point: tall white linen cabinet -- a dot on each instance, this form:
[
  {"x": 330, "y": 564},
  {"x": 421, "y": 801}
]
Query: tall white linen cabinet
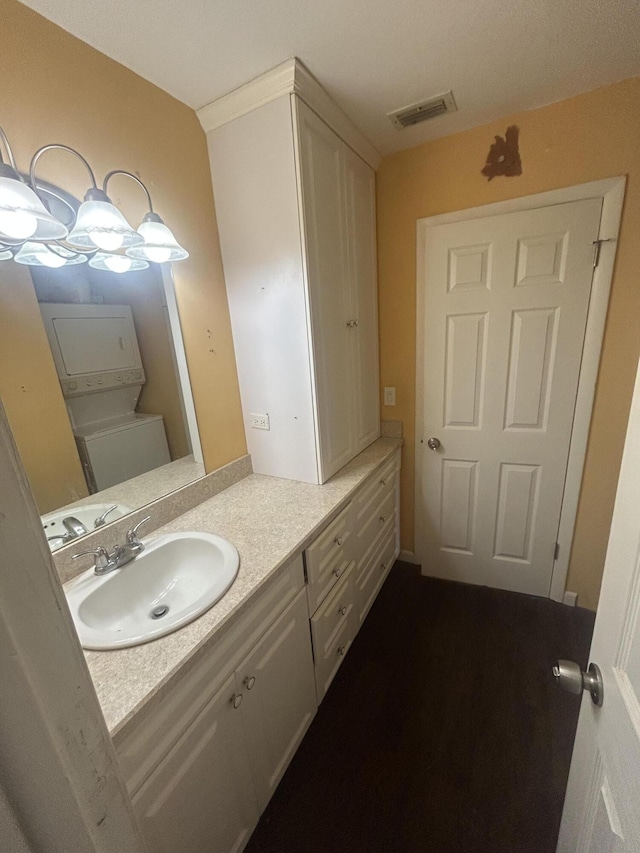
[{"x": 294, "y": 188}]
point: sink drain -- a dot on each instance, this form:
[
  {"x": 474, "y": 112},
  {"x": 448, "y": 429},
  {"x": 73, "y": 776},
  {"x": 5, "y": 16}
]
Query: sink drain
[{"x": 159, "y": 611}]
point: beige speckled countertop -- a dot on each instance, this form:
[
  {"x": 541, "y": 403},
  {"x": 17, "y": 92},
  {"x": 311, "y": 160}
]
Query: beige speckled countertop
[{"x": 269, "y": 520}]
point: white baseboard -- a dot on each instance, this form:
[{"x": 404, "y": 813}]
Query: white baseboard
[
  {"x": 408, "y": 557},
  {"x": 570, "y": 598}
]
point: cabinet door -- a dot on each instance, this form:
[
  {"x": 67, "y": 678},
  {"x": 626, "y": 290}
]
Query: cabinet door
[
  {"x": 359, "y": 182},
  {"x": 277, "y": 681},
  {"x": 201, "y": 797},
  {"x": 321, "y": 155}
]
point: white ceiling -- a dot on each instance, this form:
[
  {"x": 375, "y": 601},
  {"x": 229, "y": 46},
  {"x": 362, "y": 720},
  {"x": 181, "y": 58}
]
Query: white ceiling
[{"x": 372, "y": 56}]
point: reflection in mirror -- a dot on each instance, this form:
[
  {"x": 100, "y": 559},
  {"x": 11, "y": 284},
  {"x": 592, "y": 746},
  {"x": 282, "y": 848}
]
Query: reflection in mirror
[{"x": 90, "y": 381}]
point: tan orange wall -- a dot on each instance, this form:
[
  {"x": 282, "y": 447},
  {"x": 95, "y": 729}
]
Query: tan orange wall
[
  {"x": 55, "y": 88},
  {"x": 32, "y": 397},
  {"x": 586, "y": 138}
]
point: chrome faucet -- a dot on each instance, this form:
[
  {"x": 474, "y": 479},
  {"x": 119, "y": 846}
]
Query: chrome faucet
[{"x": 104, "y": 562}]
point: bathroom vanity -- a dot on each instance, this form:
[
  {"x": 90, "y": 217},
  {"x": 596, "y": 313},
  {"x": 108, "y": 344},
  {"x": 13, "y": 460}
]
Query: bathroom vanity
[{"x": 206, "y": 720}]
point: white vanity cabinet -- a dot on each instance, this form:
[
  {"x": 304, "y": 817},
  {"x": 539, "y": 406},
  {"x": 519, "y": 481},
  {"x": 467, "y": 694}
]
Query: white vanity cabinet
[
  {"x": 201, "y": 797},
  {"x": 347, "y": 563},
  {"x": 294, "y": 189},
  {"x": 203, "y": 765}
]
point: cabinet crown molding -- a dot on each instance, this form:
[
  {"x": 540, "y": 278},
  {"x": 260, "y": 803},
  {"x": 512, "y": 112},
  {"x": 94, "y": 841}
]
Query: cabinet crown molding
[{"x": 291, "y": 77}]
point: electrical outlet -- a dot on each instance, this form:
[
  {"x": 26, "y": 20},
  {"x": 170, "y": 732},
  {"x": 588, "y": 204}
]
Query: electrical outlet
[
  {"x": 259, "y": 421},
  {"x": 390, "y": 396}
]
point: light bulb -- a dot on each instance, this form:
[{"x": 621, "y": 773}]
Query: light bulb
[
  {"x": 118, "y": 263},
  {"x": 156, "y": 254},
  {"x": 110, "y": 242},
  {"x": 18, "y": 224},
  {"x": 50, "y": 259}
]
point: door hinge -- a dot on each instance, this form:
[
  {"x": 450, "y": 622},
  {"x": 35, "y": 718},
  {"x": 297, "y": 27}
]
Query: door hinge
[
  {"x": 556, "y": 551},
  {"x": 597, "y": 246}
]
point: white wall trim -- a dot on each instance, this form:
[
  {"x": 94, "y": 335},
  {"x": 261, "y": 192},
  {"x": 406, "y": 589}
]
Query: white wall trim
[
  {"x": 290, "y": 77},
  {"x": 408, "y": 557},
  {"x": 611, "y": 190},
  {"x": 181, "y": 363}
]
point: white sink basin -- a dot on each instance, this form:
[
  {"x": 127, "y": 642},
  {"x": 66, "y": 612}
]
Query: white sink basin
[{"x": 183, "y": 572}]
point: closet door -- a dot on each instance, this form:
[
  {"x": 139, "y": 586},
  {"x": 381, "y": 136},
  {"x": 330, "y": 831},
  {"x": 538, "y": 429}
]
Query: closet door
[
  {"x": 359, "y": 182},
  {"x": 321, "y": 162}
]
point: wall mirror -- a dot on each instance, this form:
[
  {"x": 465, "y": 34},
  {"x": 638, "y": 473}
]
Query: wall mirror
[{"x": 94, "y": 381}]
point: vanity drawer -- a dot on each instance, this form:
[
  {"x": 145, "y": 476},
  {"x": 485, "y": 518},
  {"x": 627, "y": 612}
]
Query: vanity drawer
[
  {"x": 328, "y": 556},
  {"x": 379, "y": 483},
  {"x": 374, "y": 570},
  {"x": 328, "y": 665},
  {"x": 380, "y": 515},
  {"x": 336, "y": 609}
]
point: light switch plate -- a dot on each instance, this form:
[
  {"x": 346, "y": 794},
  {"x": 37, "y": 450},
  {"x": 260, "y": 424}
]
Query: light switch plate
[{"x": 390, "y": 396}]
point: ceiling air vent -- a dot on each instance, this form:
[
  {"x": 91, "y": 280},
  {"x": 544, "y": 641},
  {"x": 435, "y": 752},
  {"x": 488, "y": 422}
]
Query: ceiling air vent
[{"x": 437, "y": 106}]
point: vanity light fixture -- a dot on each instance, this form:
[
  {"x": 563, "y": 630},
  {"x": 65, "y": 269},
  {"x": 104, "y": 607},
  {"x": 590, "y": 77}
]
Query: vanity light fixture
[
  {"x": 159, "y": 244},
  {"x": 31, "y": 235},
  {"x": 44, "y": 255},
  {"x": 22, "y": 215}
]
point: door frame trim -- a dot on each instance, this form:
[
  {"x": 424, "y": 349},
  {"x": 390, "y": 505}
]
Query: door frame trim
[{"x": 611, "y": 191}]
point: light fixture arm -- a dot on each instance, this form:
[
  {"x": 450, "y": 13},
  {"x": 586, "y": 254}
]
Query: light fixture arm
[
  {"x": 154, "y": 216},
  {"x": 94, "y": 192},
  {"x": 7, "y": 148}
]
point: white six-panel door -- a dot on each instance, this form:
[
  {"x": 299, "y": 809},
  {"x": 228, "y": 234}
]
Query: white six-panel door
[
  {"x": 602, "y": 807},
  {"x": 505, "y": 308}
]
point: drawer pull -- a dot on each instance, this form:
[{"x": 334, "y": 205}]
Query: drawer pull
[
  {"x": 236, "y": 700},
  {"x": 383, "y": 518},
  {"x": 342, "y": 650},
  {"x": 343, "y": 611},
  {"x": 337, "y": 572},
  {"x": 339, "y": 540},
  {"x": 249, "y": 681},
  {"x": 383, "y": 566},
  {"x": 383, "y": 482}
]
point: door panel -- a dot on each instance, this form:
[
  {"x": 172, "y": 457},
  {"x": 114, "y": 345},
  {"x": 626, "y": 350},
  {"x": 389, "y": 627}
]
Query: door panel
[
  {"x": 361, "y": 247},
  {"x": 277, "y": 680},
  {"x": 601, "y": 807},
  {"x": 201, "y": 796},
  {"x": 506, "y": 301},
  {"x": 322, "y": 179}
]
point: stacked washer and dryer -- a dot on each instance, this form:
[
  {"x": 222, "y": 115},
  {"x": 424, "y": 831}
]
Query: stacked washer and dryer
[{"x": 96, "y": 353}]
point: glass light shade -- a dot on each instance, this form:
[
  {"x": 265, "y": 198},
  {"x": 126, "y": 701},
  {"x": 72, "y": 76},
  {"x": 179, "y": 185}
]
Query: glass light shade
[
  {"x": 159, "y": 244},
  {"x": 38, "y": 255},
  {"x": 5, "y": 255},
  {"x": 23, "y": 215},
  {"x": 116, "y": 263},
  {"x": 100, "y": 224}
]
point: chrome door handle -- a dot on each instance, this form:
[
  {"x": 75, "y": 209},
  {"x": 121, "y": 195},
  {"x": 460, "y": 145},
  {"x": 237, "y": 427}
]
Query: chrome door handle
[
  {"x": 571, "y": 678},
  {"x": 433, "y": 443}
]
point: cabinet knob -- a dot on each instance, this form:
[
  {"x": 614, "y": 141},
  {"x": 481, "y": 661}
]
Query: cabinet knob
[
  {"x": 339, "y": 540},
  {"x": 342, "y": 650},
  {"x": 236, "y": 700},
  {"x": 337, "y": 572},
  {"x": 383, "y": 482},
  {"x": 249, "y": 681},
  {"x": 383, "y": 518},
  {"x": 343, "y": 610},
  {"x": 383, "y": 566},
  {"x": 356, "y": 323}
]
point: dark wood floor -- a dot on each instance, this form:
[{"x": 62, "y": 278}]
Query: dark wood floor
[{"x": 443, "y": 730}]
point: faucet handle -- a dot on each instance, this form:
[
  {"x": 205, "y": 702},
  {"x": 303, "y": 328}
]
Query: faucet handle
[
  {"x": 102, "y": 559},
  {"x": 132, "y": 535},
  {"x": 100, "y": 521}
]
